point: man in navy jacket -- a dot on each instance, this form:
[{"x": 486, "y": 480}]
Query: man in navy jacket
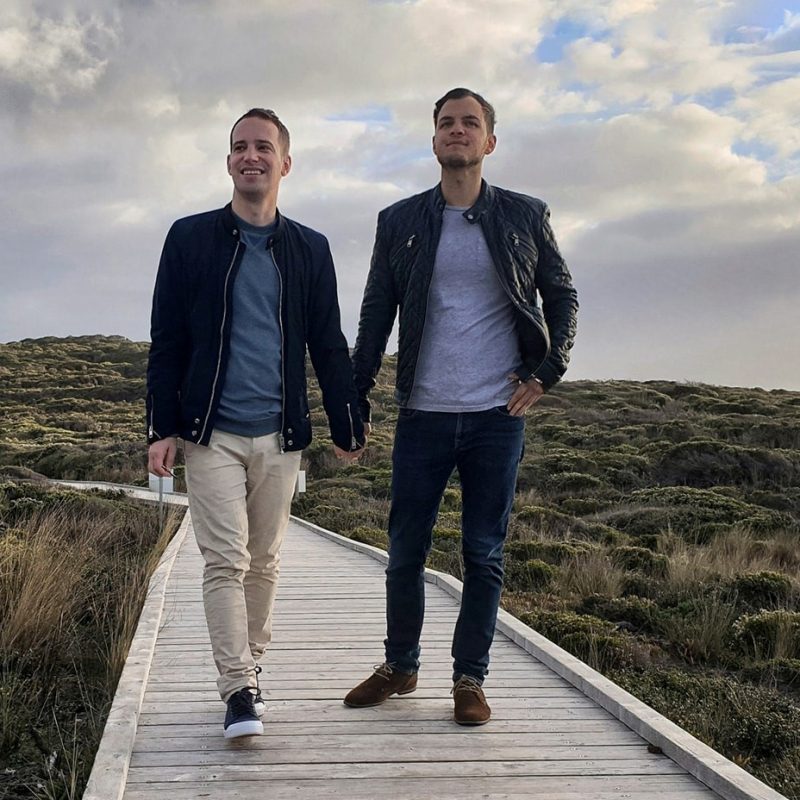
[{"x": 241, "y": 293}]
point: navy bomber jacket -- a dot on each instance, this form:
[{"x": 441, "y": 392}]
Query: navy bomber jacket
[
  {"x": 528, "y": 263},
  {"x": 191, "y": 326}
]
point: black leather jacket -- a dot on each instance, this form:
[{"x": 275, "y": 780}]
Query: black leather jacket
[
  {"x": 191, "y": 327},
  {"x": 524, "y": 251}
]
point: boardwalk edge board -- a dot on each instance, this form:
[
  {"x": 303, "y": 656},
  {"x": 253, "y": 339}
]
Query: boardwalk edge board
[
  {"x": 707, "y": 765},
  {"x": 109, "y": 773}
]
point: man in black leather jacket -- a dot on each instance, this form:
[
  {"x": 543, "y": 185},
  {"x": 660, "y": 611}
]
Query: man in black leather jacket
[
  {"x": 487, "y": 319},
  {"x": 240, "y": 293}
]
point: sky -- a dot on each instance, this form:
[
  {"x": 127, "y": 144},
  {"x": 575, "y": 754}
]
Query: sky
[{"x": 663, "y": 134}]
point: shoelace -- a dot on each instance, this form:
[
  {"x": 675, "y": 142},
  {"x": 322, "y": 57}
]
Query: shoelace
[
  {"x": 257, "y": 670},
  {"x": 240, "y": 703},
  {"x": 467, "y": 683},
  {"x": 384, "y": 670}
]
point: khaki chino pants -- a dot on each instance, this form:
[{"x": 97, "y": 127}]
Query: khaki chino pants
[{"x": 240, "y": 494}]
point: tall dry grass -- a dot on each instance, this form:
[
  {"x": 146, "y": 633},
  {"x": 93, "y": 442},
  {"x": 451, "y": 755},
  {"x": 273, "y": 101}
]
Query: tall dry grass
[{"x": 73, "y": 578}]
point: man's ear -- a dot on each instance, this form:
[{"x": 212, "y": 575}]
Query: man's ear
[
  {"x": 228, "y": 163},
  {"x": 286, "y": 167},
  {"x": 491, "y": 143}
]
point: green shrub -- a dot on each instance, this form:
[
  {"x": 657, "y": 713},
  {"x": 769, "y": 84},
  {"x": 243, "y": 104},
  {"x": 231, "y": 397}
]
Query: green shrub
[
  {"x": 773, "y": 671},
  {"x": 593, "y": 640},
  {"x": 759, "y": 590},
  {"x": 638, "y": 585},
  {"x": 640, "y": 559},
  {"x": 367, "y": 535},
  {"x": 581, "y": 506},
  {"x": 563, "y": 482},
  {"x": 447, "y": 539},
  {"x": 551, "y": 552},
  {"x": 742, "y": 722},
  {"x": 707, "y": 462},
  {"x": 640, "y": 612},
  {"x": 769, "y": 634},
  {"x": 529, "y": 576}
]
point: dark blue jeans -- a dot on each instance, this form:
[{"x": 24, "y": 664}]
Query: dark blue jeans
[{"x": 485, "y": 447}]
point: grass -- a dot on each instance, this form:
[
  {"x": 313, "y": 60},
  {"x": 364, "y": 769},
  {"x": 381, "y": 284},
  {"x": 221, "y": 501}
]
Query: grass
[
  {"x": 656, "y": 530},
  {"x": 74, "y": 572}
]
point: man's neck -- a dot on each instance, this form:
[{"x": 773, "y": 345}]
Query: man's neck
[
  {"x": 259, "y": 212},
  {"x": 461, "y": 187}
]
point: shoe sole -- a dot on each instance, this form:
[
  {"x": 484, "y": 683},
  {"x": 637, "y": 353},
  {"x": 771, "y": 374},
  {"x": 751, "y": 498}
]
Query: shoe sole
[
  {"x": 247, "y": 728},
  {"x": 470, "y": 723},
  {"x": 380, "y": 702}
]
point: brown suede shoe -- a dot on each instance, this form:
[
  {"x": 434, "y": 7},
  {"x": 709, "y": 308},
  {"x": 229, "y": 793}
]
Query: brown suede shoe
[
  {"x": 471, "y": 707},
  {"x": 381, "y": 685}
]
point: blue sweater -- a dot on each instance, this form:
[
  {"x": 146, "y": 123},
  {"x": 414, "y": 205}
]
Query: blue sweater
[{"x": 250, "y": 404}]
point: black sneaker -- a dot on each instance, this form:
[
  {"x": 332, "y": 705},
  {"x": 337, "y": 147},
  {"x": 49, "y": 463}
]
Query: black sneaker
[{"x": 241, "y": 718}]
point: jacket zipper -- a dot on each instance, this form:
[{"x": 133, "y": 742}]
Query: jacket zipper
[
  {"x": 425, "y": 316},
  {"x": 353, "y": 443},
  {"x": 221, "y": 341},
  {"x": 152, "y": 430},
  {"x": 281, "y": 440}
]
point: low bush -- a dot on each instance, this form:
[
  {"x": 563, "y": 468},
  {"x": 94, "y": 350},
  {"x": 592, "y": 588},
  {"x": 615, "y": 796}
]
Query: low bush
[
  {"x": 529, "y": 576},
  {"x": 593, "y": 640},
  {"x": 756, "y": 727},
  {"x": 760, "y": 590},
  {"x": 769, "y": 635},
  {"x": 640, "y": 559},
  {"x": 640, "y": 613}
]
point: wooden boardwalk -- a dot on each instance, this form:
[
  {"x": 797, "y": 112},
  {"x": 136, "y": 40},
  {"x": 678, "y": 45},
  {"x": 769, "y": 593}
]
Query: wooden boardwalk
[{"x": 546, "y": 739}]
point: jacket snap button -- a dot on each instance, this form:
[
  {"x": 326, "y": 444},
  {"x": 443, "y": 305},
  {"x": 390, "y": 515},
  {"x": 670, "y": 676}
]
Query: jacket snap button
[
  {"x": 197, "y": 422},
  {"x": 290, "y": 442},
  {"x": 289, "y": 430},
  {"x": 194, "y": 433}
]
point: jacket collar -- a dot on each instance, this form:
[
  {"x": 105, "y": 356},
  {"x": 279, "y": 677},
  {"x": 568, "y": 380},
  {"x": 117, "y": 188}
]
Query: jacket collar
[
  {"x": 232, "y": 226},
  {"x": 481, "y": 206}
]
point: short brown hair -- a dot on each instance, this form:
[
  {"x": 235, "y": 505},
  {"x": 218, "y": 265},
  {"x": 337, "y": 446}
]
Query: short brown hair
[
  {"x": 458, "y": 94},
  {"x": 270, "y": 116}
]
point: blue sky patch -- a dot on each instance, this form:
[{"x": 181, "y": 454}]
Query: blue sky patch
[
  {"x": 551, "y": 48},
  {"x": 366, "y": 114}
]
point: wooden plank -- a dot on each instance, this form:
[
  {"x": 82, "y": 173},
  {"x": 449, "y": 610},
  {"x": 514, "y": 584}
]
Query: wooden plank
[
  {"x": 455, "y": 737},
  {"x": 357, "y": 727},
  {"x": 256, "y": 751},
  {"x": 654, "y": 765},
  {"x": 281, "y": 712},
  {"x": 431, "y": 788}
]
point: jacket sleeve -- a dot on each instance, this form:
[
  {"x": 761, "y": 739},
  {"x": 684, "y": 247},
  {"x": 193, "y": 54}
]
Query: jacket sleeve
[
  {"x": 378, "y": 312},
  {"x": 169, "y": 346},
  {"x": 559, "y": 303},
  {"x": 330, "y": 358}
]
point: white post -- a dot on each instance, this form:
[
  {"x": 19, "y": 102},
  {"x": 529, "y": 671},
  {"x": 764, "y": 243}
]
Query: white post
[{"x": 300, "y": 483}]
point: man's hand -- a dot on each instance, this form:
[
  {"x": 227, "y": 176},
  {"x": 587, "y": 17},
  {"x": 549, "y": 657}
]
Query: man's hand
[
  {"x": 525, "y": 395},
  {"x": 348, "y": 456},
  {"x": 161, "y": 456}
]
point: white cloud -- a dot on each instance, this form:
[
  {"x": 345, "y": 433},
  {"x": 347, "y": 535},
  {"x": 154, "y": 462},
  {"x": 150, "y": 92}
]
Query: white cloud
[
  {"x": 53, "y": 57},
  {"x": 665, "y": 142}
]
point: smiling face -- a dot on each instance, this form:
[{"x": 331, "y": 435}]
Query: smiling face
[
  {"x": 461, "y": 139},
  {"x": 257, "y": 161}
]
